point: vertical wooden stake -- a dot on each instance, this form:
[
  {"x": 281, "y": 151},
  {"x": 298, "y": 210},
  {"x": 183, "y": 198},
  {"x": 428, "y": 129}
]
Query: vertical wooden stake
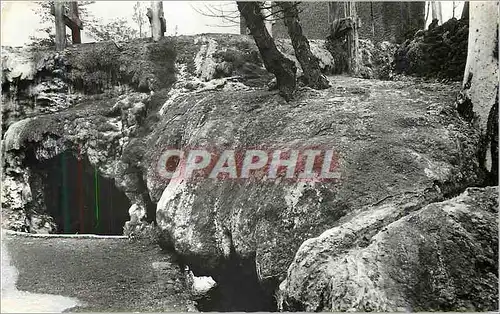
[{"x": 60, "y": 25}]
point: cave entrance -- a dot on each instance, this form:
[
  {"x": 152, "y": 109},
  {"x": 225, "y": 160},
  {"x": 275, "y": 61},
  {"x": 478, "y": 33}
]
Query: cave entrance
[
  {"x": 78, "y": 198},
  {"x": 239, "y": 289}
]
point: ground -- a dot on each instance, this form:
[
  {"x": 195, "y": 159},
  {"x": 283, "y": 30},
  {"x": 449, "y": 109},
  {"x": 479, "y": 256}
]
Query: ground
[{"x": 102, "y": 274}]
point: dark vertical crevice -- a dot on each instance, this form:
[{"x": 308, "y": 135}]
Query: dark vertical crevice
[{"x": 492, "y": 142}]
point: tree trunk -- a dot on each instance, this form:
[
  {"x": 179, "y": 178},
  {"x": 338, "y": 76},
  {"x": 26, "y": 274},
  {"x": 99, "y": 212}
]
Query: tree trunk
[
  {"x": 427, "y": 12},
  {"x": 352, "y": 40},
  {"x": 440, "y": 11},
  {"x": 480, "y": 85},
  {"x": 156, "y": 15},
  {"x": 465, "y": 10},
  {"x": 60, "y": 26},
  {"x": 436, "y": 11},
  {"x": 308, "y": 62},
  {"x": 283, "y": 68},
  {"x": 335, "y": 11}
]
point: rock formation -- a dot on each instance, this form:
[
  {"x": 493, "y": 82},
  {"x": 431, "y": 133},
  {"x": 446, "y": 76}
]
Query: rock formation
[
  {"x": 401, "y": 146},
  {"x": 443, "y": 257}
]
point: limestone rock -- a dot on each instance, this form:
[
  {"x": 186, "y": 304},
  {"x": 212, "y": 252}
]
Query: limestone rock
[
  {"x": 42, "y": 224},
  {"x": 318, "y": 49},
  {"x": 17, "y": 64},
  {"x": 401, "y": 146},
  {"x": 442, "y": 257},
  {"x": 200, "y": 286},
  {"x": 387, "y": 134}
]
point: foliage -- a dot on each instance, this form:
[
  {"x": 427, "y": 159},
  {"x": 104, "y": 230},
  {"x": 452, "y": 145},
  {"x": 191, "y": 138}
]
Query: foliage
[
  {"x": 97, "y": 69},
  {"x": 117, "y": 30},
  {"x": 43, "y": 10},
  {"x": 139, "y": 16},
  {"x": 438, "y": 52}
]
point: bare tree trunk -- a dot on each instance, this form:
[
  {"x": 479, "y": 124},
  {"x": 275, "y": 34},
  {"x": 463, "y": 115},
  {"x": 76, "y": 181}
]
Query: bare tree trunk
[
  {"x": 465, "y": 10},
  {"x": 334, "y": 11},
  {"x": 308, "y": 62},
  {"x": 427, "y": 12},
  {"x": 479, "y": 97},
  {"x": 340, "y": 27},
  {"x": 352, "y": 40},
  {"x": 434, "y": 11},
  {"x": 156, "y": 15},
  {"x": 439, "y": 7},
  {"x": 283, "y": 68},
  {"x": 77, "y": 23},
  {"x": 60, "y": 26},
  {"x": 372, "y": 19}
]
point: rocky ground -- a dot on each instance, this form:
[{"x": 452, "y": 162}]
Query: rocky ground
[{"x": 403, "y": 150}]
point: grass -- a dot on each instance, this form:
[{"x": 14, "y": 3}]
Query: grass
[{"x": 105, "y": 274}]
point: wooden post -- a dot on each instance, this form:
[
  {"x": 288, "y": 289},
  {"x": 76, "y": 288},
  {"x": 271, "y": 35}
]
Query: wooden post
[
  {"x": 352, "y": 40},
  {"x": 60, "y": 26},
  {"x": 75, "y": 19},
  {"x": 156, "y": 19},
  {"x": 65, "y": 18}
]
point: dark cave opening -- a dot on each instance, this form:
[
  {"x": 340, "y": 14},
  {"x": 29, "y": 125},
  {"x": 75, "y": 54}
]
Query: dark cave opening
[
  {"x": 239, "y": 290},
  {"x": 78, "y": 197}
]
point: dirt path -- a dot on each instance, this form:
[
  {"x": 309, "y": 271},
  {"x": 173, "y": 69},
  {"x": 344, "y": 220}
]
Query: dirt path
[
  {"x": 89, "y": 275},
  {"x": 15, "y": 301}
]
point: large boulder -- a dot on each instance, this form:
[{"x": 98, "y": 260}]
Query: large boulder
[
  {"x": 443, "y": 257},
  {"x": 397, "y": 141}
]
